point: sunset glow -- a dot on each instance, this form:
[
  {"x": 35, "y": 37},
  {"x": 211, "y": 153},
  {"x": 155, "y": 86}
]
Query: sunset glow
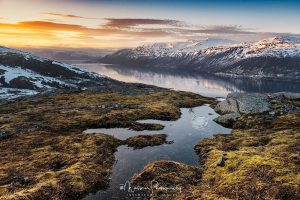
[{"x": 117, "y": 24}]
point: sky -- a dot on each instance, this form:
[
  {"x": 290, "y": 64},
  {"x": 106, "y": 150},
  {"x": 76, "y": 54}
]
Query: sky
[{"x": 130, "y": 23}]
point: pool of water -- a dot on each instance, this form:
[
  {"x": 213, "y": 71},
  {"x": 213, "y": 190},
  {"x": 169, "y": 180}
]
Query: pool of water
[{"x": 194, "y": 124}]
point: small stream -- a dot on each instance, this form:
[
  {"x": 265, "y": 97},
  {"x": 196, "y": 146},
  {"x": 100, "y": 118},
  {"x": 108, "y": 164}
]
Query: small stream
[{"x": 195, "y": 124}]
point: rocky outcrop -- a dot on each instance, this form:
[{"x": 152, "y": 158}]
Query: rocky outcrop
[
  {"x": 237, "y": 104},
  {"x": 244, "y": 103}
]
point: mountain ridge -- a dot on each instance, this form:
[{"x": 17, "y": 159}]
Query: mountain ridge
[
  {"x": 277, "y": 57},
  {"x": 24, "y": 74}
]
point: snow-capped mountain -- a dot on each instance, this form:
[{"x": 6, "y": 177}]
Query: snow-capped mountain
[
  {"x": 277, "y": 57},
  {"x": 22, "y": 73}
]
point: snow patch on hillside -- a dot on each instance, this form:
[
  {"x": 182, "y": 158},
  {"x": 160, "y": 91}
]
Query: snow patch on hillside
[
  {"x": 11, "y": 73},
  {"x": 12, "y": 93}
]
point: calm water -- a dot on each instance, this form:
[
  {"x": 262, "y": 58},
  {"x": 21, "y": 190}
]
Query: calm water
[
  {"x": 194, "y": 125},
  {"x": 203, "y": 84}
]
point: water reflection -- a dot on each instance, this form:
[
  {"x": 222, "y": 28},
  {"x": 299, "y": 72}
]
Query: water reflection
[
  {"x": 205, "y": 84},
  {"x": 194, "y": 125}
]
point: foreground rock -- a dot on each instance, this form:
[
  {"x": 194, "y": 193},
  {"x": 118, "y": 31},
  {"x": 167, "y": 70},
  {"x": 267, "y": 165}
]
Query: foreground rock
[
  {"x": 227, "y": 120},
  {"x": 244, "y": 103},
  {"x": 237, "y": 104}
]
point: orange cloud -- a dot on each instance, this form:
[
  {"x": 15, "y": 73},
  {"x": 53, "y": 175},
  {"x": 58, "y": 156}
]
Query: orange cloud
[
  {"x": 53, "y": 33},
  {"x": 130, "y": 22},
  {"x": 46, "y": 26},
  {"x": 114, "y": 33}
]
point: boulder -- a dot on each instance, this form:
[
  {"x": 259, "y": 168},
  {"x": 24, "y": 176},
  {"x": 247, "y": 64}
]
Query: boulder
[
  {"x": 227, "y": 106},
  {"x": 227, "y": 120},
  {"x": 244, "y": 103}
]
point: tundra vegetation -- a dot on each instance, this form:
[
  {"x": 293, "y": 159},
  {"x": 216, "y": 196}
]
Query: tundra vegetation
[
  {"x": 45, "y": 155},
  {"x": 260, "y": 159}
]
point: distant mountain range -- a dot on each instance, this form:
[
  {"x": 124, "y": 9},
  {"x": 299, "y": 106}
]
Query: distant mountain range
[
  {"x": 69, "y": 54},
  {"x": 23, "y": 74},
  {"x": 277, "y": 57}
]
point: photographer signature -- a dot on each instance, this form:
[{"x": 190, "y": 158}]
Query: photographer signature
[{"x": 154, "y": 187}]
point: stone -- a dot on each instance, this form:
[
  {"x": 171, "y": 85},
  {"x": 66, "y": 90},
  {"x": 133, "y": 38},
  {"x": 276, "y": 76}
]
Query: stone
[
  {"x": 227, "y": 106},
  {"x": 227, "y": 120},
  {"x": 221, "y": 162},
  {"x": 244, "y": 103}
]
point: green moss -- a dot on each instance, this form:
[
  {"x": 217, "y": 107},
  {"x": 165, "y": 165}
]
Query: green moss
[{"x": 262, "y": 161}]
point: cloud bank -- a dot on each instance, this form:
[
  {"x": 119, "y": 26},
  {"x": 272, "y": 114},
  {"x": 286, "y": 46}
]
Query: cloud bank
[{"x": 115, "y": 31}]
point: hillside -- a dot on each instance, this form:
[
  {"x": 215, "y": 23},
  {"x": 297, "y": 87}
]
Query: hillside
[
  {"x": 23, "y": 74},
  {"x": 277, "y": 57}
]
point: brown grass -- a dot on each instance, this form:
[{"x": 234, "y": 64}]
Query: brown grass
[
  {"x": 48, "y": 157},
  {"x": 141, "y": 141}
]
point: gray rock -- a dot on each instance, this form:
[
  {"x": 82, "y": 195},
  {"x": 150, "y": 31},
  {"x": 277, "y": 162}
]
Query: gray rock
[
  {"x": 221, "y": 162},
  {"x": 290, "y": 95},
  {"x": 227, "y": 106},
  {"x": 287, "y": 95},
  {"x": 246, "y": 103},
  {"x": 227, "y": 120}
]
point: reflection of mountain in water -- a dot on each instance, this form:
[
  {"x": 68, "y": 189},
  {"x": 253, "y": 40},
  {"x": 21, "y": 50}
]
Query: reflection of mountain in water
[{"x": 206, "y": 84}]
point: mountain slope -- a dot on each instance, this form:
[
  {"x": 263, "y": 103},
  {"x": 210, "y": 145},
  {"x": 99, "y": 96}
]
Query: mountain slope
[
  {"x": 277, "y": 57},
  {"x": 23, "y": 74}
]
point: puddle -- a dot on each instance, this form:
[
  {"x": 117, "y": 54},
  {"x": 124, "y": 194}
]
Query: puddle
[{"x": 195, "y": 124}]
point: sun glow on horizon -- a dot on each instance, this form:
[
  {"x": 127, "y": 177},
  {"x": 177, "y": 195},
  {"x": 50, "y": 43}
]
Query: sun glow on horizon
[{"x": 98, "y": 24}]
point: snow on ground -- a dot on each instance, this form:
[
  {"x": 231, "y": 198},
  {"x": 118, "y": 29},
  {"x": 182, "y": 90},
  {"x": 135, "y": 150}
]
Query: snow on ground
[
  {"x": 12, "y": 93},
  {"x": 76, "y": 69},
  {"x": 14, "y": 72}
]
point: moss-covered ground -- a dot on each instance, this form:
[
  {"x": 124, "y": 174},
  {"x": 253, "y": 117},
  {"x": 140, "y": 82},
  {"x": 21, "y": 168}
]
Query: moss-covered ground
[
  {"x": 141, "y": 141},
  {"x": 260, "y": 161},
  {"x": 45, "y": 155}
]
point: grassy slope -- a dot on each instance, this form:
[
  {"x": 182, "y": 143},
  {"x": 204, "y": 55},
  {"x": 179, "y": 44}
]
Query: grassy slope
[{"x": 47, "y": 156}]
